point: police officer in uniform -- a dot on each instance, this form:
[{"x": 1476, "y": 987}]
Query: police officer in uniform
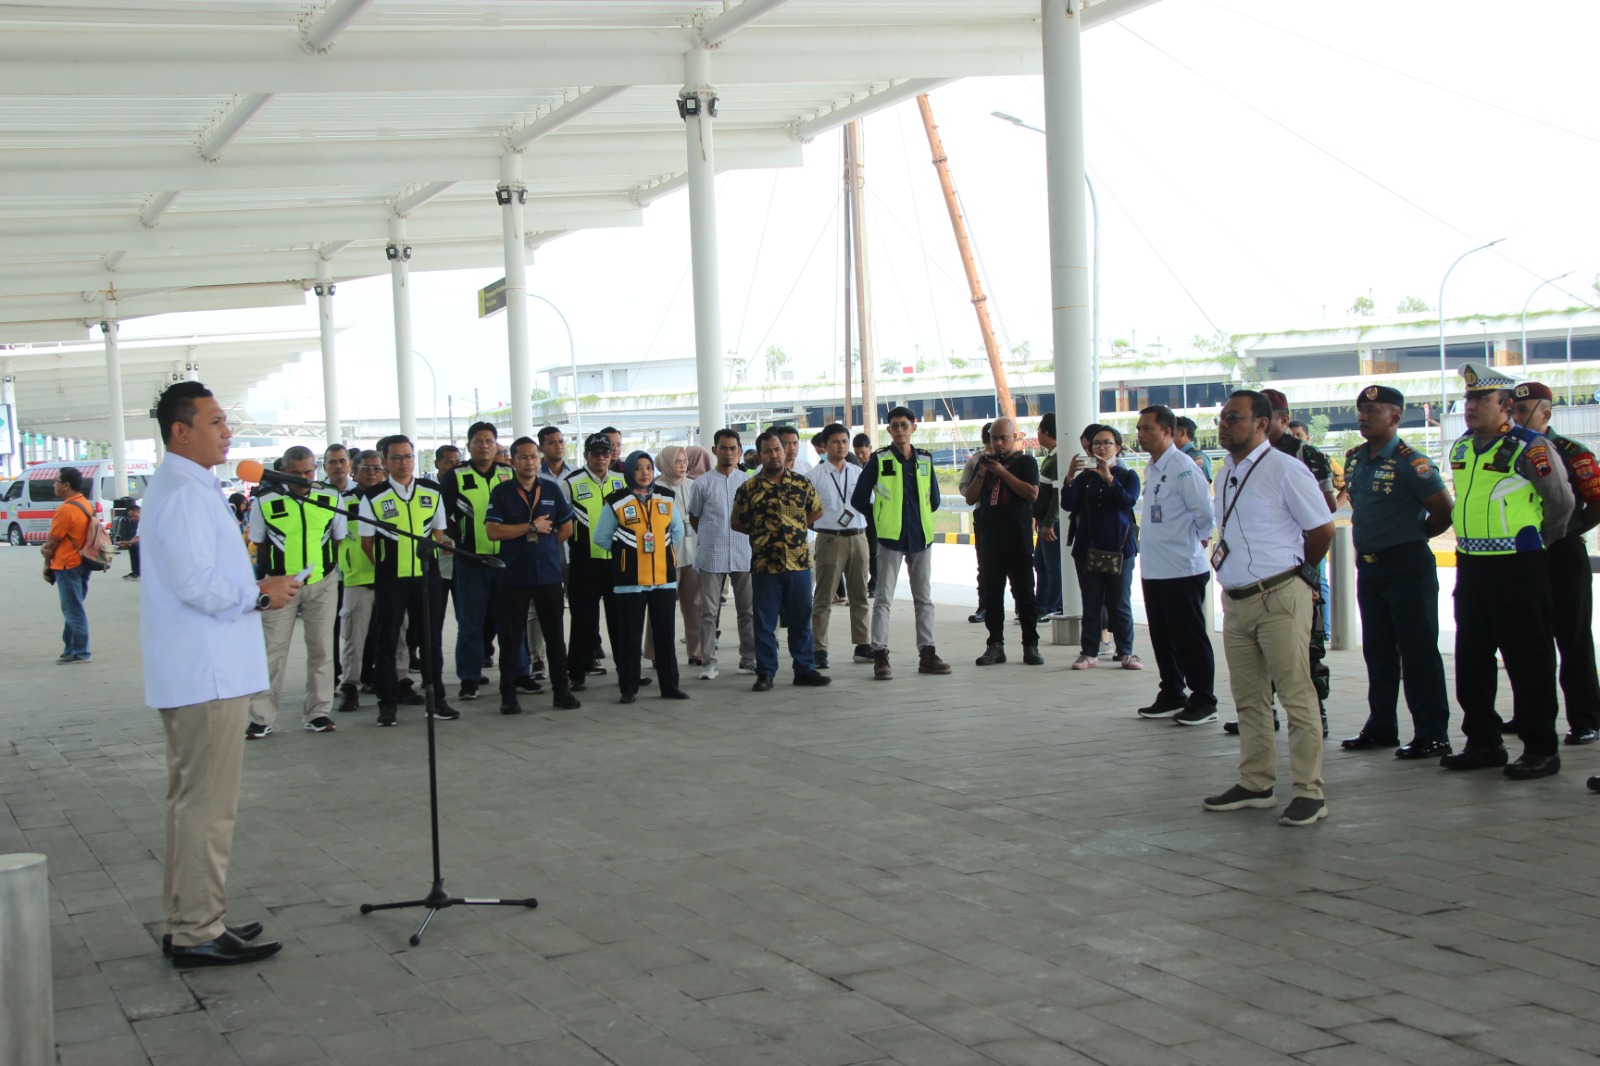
[
  {"x": 1397, "y": 502},
  {"x": 590, "y": 568},
  {"x": 296, "y": 531},
  {"x": 1571, "y": 580},
  {"x": 355, "y": 614},
  {"x": 1512, "y": 498},
  {"x": 416, "y": 506}
]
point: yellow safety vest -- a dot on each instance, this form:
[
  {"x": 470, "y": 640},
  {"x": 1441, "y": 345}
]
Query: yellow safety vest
[
  {"x": 888, "y": 508},
  {"x": 396, "y": 557},
  {"x": 354, "y": 565},
  {"x": 299, "y": 533},
  {"x": 640, "y": 549},
  {"x": 469, "y": 492},
  {"x": 588, "y": 496},
  {"x": 1497, "y": 511}
]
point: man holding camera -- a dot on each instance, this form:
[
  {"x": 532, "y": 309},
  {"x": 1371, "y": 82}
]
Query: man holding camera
[{"x": 1003, "y": 492}]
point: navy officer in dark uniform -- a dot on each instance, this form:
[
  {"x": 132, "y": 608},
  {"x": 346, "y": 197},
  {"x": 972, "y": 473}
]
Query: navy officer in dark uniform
[{"x": 1397, "y": 502}]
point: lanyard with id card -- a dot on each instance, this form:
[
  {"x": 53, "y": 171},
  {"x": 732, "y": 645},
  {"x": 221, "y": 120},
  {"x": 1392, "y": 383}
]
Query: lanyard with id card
[{"x": 1219, "y": 554}]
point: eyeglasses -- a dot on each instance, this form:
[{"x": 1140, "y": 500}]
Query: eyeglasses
[
  {"x": 899, "y": 423},
  {"x": 365, "y": 469},
  {"x": 1105, "y": 444},
  {"x": 1231, "y": 417}
]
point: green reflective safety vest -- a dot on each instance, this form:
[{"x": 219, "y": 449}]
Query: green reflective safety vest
[
  {"x": 888, "y": 505},
  {"x": 588, "y": 497},
  {"x": 1497, "y": 511},
  {"x": 354, "y": 565},
  {"x": 396, "y": 557},
  {"x": 468, "y": 493},
  {"x": 299, "y": 533}
]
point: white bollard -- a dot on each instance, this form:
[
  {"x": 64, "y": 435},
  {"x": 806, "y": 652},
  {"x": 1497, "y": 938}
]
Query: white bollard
[
  {"x": 1342, "y": 587},
  {"x": 27, "y": 1019}
]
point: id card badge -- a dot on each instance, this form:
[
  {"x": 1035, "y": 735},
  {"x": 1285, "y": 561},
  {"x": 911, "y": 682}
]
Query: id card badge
[
  {"x": 1155, "y": 512},
  {"x": 1219, "y": 554}
]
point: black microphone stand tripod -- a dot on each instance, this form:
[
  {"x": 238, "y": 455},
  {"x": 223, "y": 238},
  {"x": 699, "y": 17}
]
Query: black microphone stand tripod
[{"x": 437, "y": 898}]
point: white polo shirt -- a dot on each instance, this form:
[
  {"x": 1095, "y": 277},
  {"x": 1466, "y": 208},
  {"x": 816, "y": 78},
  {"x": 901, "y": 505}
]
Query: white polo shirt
[
  {"x": 1273, "y": 507},
  {"x": 1175, "y": 515}
]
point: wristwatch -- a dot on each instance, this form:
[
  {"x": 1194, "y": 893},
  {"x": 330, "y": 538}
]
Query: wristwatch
[{"x": 263, "y": 601}]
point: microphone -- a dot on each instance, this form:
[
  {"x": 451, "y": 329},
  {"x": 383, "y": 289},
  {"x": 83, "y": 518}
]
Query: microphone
[{"x": 250, "y": 470}]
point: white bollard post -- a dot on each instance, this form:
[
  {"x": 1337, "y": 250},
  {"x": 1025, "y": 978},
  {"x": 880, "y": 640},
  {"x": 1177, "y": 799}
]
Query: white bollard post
[
  {"x": 1342, "y": 587},
  {"x": 27, "y": 1019}
]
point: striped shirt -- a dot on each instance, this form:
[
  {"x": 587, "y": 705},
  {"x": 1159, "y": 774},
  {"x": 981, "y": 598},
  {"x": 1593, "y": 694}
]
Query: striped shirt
[{"x": 718, "y": 549}]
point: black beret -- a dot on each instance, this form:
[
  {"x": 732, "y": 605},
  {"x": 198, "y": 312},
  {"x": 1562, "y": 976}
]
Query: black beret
[{"x": 1381, "y": 394}]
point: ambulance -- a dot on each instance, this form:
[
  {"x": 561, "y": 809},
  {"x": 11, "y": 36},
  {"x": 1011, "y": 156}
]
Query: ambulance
[{"x": 30, "y": 503}]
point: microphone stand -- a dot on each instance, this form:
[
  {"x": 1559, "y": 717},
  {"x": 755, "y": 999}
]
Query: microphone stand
[{"x": 437, "y": 898}]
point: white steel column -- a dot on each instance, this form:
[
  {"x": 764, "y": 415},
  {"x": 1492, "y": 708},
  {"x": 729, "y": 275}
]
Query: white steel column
[
  {"x": 330, "y": 365},
  {"x": 698, "y": 105},
  {"x": 399, "y": 253},
  {"x": 119, "y": 434},
  {"x": 1069, "y": 250},
  {"x": 511, "y": 194},
  {"x": 16, "y": 459}
]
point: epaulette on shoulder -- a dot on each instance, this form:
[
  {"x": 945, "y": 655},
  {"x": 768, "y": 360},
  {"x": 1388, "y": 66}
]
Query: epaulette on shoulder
[
  {"x": 1350, "y": 453},
  {"x": 1403, "y": 450}
]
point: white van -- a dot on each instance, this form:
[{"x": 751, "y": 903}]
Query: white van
[{"x": 29, "y": 505}]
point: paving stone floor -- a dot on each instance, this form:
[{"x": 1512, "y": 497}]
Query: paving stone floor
[{"x": 1001, "y": 866}]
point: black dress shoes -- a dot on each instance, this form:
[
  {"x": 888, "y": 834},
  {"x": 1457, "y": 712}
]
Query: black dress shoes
[
  {"x": 1470, "y": 758},
  {"x": 627, "y": 697},
  {"x": 225, "y": 950},
  {"x": 763, "y": 683},
  {"x": 674, "y": 694},
  {"x": 1367, "y": 742},
  {"x": 1581, "y": 736},
  {"x": 812, "y": 678},
  {"x": 247, "y": 931},
  {"x": 1422, "y": 749},
  {"x": 1594, "y": 784},
  {"x": 1527, "y": 767},
  {"x": 1232, "y": 728}
]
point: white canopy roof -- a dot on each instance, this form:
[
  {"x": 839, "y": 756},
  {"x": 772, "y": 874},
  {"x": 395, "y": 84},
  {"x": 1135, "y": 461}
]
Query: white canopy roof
[{"x": 199, "y": 154}]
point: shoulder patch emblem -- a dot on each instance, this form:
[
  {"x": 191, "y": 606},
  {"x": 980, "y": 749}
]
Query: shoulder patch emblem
[
  {"x": 663, "y": 507},
  {"x": 425, "y": 500},
  {"x": 1421, "y": 465},
  {"x": 1539, "y": 456}
]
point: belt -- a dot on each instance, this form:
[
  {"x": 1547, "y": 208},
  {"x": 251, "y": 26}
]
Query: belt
[
  {"x": 839, "y": 532},
  {"x": 1264, "y": 585}
]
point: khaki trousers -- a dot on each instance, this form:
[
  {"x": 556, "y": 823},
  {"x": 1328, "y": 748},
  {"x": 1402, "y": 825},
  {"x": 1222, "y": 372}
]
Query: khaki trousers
[
  {"x": 318, "y": 606},
  {"x": 355, "y": 621},
  {"x": 712, "y": 585},
  {"x": 1265, "y": 637},
  {"x": 840, "y": 555},
  {"x": 205, "y": 754}
]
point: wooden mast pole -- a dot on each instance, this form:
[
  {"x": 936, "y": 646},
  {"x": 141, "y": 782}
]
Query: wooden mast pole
[{"x": 980, "y": 302}]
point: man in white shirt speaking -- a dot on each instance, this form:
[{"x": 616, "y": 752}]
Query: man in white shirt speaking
[
  {"x": 1273, "y": 528},
  {"x": 841, "y": 544},
  {"x": 204, "y": 657},
  {"x": 1176, "y": 519}
]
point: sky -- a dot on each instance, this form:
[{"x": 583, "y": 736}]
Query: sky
[{"x": 1260, "y": 165}]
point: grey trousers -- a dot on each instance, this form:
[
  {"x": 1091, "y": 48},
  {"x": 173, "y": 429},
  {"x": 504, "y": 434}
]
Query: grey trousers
[
  {"x": 355, "y": 619},
  {"x": 920, "y": 566},
  {"x": 711, "y": 586}
]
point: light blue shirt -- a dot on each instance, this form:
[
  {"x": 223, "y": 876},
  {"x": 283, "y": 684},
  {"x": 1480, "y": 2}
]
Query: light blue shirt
[
  {"x": 605, "y": 531},
  {"x": 1175, "y": 515},
  {"x": 718, "y": 549},
  {"x": 198, "y": 627}
]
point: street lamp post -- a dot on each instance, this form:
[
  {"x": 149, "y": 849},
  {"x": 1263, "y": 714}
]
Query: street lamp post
[
  {"x": 435, "y": 417},
  {"x": 1094, "y": 295},
  {"x": 1525, "y": 304},
  {"x": 572, "y": 358},
  {"x": 1444, "y": 384}
]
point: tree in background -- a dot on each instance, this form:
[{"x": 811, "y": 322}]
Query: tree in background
[
  {"x": 1413, "y": 305},
  {"x": 1363, "y": 306},
  {"x": 776, "y": 359}
]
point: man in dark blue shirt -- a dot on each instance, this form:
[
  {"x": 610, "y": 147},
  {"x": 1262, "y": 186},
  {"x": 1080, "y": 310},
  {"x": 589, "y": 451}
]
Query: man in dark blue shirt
[{"x": 530, "y": 518}]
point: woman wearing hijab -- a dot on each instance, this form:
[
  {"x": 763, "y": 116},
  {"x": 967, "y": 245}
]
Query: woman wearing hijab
[
  {"x": 1102, "y": 498},
  {"x": 642, "y": 524},
  {"x": 675, "y": 470}
]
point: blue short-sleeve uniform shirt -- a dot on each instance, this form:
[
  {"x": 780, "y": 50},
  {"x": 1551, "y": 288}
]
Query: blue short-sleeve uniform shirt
[
  {"x": 1386, "y": 494},
  {"x": 530, "y": 562}
]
